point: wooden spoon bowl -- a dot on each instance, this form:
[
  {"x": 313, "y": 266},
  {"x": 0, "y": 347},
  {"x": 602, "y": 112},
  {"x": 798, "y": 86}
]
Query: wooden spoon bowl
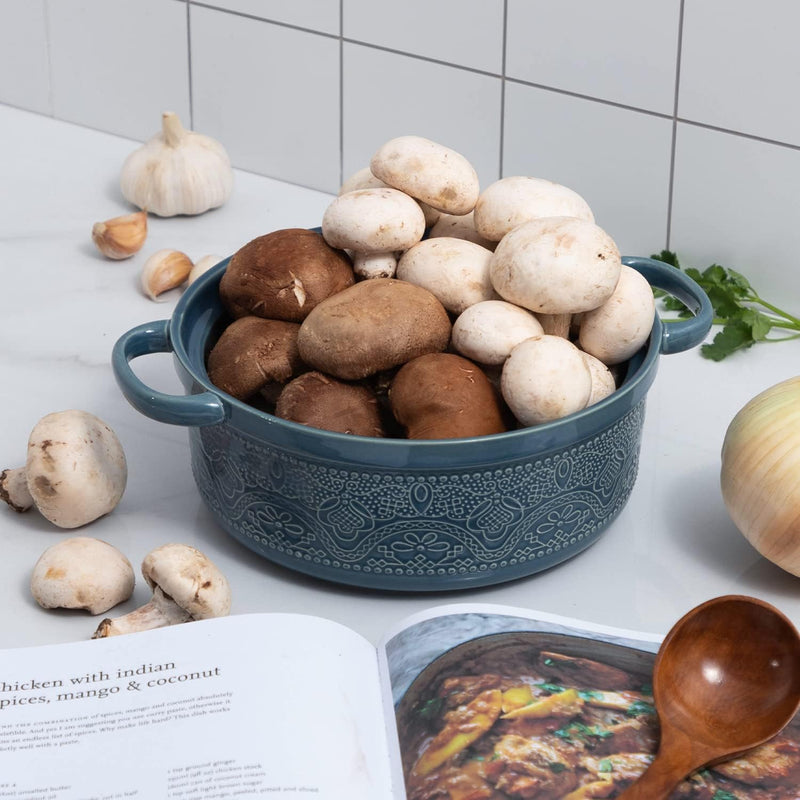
[{"x": 726, "y": 679}]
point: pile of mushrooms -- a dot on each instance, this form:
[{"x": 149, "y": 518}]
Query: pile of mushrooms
[
  {"x": 84, "y": 573},
  {"x": 75, "y": 472},
  {"x": 514, "y": 310}
]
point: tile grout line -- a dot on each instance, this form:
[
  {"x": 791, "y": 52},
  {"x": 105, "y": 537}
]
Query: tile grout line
[
  {"x": 672, "y": 115},
  {"x": 341, "y": 92},
  {"x": 189, "y": 65},
  {"x": 51, "y": 98},
  {"x": 674, "y": 143},
  {"x": 503, "y": 77},
  {"x": 501, "y": 153}
]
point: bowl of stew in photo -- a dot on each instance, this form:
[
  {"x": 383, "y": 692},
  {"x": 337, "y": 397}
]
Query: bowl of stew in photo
[{"x": 544, "y": 715}]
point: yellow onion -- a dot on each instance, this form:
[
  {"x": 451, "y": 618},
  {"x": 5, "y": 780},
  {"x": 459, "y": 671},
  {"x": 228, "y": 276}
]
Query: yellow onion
[{"x": 760, "y": 477}]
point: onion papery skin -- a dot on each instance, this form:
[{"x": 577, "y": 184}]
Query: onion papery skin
[{"x": 760, "y": 474}]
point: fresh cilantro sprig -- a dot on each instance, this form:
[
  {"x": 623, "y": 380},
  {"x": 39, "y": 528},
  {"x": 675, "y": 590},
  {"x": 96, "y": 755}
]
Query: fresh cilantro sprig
[{"x": 745, "y": 317}]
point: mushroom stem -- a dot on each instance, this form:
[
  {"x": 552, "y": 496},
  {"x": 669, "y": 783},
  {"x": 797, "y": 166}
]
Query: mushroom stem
[
  {"x": 160, "y": 612},
  {"x": 556, "y": 324},
  {"x": 14, "y": 489}
]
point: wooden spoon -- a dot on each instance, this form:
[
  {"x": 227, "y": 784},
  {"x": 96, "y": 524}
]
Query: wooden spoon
[{"x": 726, "y": 679}]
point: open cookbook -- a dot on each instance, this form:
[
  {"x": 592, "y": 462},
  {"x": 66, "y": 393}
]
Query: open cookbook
[{"x": 463, "y": 702}]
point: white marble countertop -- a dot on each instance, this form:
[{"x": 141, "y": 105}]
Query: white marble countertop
[{"x": 62, "y": 307}]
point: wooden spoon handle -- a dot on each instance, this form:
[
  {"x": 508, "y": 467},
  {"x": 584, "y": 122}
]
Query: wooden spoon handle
[{"x": 658, "y": 781}]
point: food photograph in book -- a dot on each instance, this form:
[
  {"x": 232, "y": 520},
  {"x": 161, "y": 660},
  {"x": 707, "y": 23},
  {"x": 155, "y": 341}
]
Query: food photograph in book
[{"x": 547, "y": 714}]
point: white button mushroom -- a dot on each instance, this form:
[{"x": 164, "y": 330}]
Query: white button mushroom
[
  {"x": 511, "y": 201},
  {"x": 375, "y": 265},
  {"x": 364, "y": 179},
  {"x": 545, "y": 379},
  {"x": 556, "y": 265},
  {"x": 614, "y": 331},
  {"x": 460, "y": 226},
  {"x": 361, "y": 179},
  {"x": 430, "y": 172},
  {"x": 373, "y": 221},
  {"x": 186, "y": 586},
  {"x": 488, "y": 331},
  {"x": 82, "y": 572},
  {"x": 74, "y": 473},
  {"x": 455, "y": 271},
  {"x": 603, "y": 381}
]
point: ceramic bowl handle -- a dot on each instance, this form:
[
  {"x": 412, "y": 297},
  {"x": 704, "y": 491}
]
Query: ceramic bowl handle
[
  {"x": 194, "y": 409},
  {"x": 686, "y": 333}
]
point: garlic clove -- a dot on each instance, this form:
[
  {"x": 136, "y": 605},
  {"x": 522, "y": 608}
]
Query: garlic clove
[
  {"x": 121, "y": 237},
  {"x": 164, "y": 270},
  {"x": 203, "y": 265}
]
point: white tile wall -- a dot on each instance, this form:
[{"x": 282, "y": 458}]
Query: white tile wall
[
  {"x": 740, "y": 67},
  {"x": 322, "y": 16},
  {"x": 117, "y": 66},
  {"x": 677, "y": 119},
  {"x": 736, "y": 203},
  {"x": 624, "y": 51},
  {"x": 24, "y": 60},
  {"x": 468, "y": 33},
  {"x": 270, "y": 93},
  {"x": 386, "y": 95},
  {"x": 617, "y": 159}
]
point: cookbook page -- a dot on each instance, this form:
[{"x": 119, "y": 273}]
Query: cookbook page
[
  {"x": 272, "y": 705},
  {"x": 498, "y": 702}
]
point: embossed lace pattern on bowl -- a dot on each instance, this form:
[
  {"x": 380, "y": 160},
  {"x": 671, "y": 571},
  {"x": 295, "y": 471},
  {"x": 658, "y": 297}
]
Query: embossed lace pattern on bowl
[{"x": 521, "y": 515}]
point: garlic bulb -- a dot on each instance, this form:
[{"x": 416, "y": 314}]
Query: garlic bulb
[
  {"x": 177, "y": 172},
  {"x": 760, "y": 477}
]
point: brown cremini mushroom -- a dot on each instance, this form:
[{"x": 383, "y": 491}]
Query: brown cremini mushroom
[
  {"x": 320, "y": 401},
  {"x": 373, "y": 326},
  {"x": 186, "y": 586},
  {"x": 75, "y": 470},
  {"x": 82, "y": 572},
  {"x": 252, "y": 353},
  {"x": 283, "y": 275},
  {"x": 445, "y": 396}
]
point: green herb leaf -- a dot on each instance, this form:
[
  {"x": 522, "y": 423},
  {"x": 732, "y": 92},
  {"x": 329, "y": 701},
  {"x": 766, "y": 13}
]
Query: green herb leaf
[
  {"x": 745, "y": 317},
  {"x": 640, "y": 708},
  {"x": 552, "y": 688},
  {"x": 735, "y": 335},
  {"x": 431, "y": 709},
  {"x": 580, "y": 732},
  {"x": 606, "y": 765}
]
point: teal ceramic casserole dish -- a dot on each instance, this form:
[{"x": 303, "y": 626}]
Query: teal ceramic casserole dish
[{"x": 397, "y": 514}]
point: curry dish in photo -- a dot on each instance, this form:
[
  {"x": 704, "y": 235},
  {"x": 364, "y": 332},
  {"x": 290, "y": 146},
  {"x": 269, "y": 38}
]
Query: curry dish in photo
[{"x": 529, "y": 716}]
